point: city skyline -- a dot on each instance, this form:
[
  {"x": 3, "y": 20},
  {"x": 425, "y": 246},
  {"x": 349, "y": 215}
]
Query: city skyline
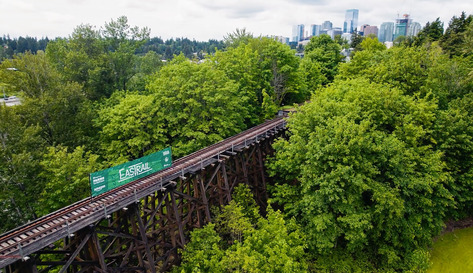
[{"x": 211, "y": 19}]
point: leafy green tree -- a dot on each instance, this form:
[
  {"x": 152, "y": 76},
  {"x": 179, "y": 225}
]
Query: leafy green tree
[
  {"x": 20, "y": 152},
  {"x": 232, "y": 223},
  {"x": 198, "y": 105},
  {"x": 454, "y": 135},
  {"x": 325, "y": 52},
  {"x": 47, "y": 101},
  {"x": 369, "y": 179},
  {"x": 132, "y": 125},
  {"x": 268, "y": 245},
  {"x": 263, "y": 65},
  {"x": 203, "y": 253},
  {"x": 430, "y": 33},
  {"x": 82, "y": 58},
  {"x": 402, "y": 67},
  {"x": 237, "y": 37},
  {"x": 276, "y": 245},
  {"x": 447, "y": 78},
  {"x": 453, "y": 39},
  {"x": 356, "y": 40},
  {"x": 312, "y": 74},
  {"x": 123, "y": 41},
  {"x": 67, "y": 177}
]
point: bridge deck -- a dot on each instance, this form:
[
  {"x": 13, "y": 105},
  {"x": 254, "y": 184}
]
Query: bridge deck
[{"x": 19, "y": 243}]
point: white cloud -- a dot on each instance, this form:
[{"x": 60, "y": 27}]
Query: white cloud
[{"x": 204, "y": 19}]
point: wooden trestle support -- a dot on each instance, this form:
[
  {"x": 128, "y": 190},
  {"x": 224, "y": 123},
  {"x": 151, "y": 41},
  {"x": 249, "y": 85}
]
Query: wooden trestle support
[{"x": 146, "y": 236}]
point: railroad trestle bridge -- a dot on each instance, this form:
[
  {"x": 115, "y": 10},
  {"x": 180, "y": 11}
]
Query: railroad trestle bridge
[{"x": 140, "y": 226}]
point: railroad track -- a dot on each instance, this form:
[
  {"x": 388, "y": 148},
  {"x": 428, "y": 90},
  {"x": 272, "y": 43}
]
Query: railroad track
[{"x": 24, "y": 240}]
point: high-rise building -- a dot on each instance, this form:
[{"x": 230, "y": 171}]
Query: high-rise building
[
  {"x": 281, "y": 39},
  {"x": 414, "y": 29},
  {"x": 327, "y": 25},
  {"x": 402, "y": 26},
  {"x": 298, "y": 33},
  {"x": 367, "y": 30},
  {"x": 334, "y": 32},
  {"x": 386, "y": 32},
  {"x": 315, "y": 30},
  {"x": 351, "y": 21}
]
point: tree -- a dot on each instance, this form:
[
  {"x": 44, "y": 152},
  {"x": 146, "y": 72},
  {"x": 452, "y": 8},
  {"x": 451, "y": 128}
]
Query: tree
[
  {"x": 402, "y": 67},
  {"x": 83, "y": 59},
  {"x": 147, "y": 65},
  {"x": 67, "y": 177},
  {"x": 198, "y": 105},
  {"x": 132, "y": 126},
  {"x": 454, "y": 136},
  {"x": 369, "y": 179},
  {"x": 123, "y": 41},
  {"x": 269, "y": 245},
  {"x": 47, "y": 101},
  {"x": 264, "y": 65},
  {"x": 20, "y": 152},
  {"x": 430, "y": 33},
  {"x": 237, "y": 37},
  {"x": 453, "y": 39},
  {"x": 326, "y": 52},
  {"x": 356, "y": 40},
  {"x": 203, "y": 252}
]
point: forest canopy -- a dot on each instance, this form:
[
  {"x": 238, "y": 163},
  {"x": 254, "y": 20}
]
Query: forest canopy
[{"x": 374, "y": 162}]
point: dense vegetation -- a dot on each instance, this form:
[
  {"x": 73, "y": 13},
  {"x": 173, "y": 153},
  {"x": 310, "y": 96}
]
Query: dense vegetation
[{"x": 369, "y": 172}]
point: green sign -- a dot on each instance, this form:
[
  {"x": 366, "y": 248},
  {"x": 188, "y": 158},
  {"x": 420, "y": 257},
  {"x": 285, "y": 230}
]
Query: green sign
[{"x": 113, "y": 177}]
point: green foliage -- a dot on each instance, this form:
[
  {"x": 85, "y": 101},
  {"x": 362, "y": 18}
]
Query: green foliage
[
  {"x": 326, "y": 53},
  {"x": 147, "y": 65},
  {"x": 237, "y": 37},
  {"x": 101, "y": 61},
  {"x": 356, "y": 41},
  {"x": 372, "y": 44},
  {"x": 403, "y": 67},
  {"x": 132, "y": 126},
  {"x": 232, "y": 223},
  {"x": 198, "y": 105},
  {"x": 67, "y": 177},
  {"x": 83, "y": 59},
  {"x": 20, "y": 153},
  {"x": 272, "y": 245},
  {"x": 430, "y": 33},
  {"x": 369, "y": 178},
  {"x": 263, "y": 65},
  {"x": 54, "y": 105},
  {"x": 203, "y": 253},
  {"x": 341, "y": 261},
  {"x": 454, "y": 135},
  {"x": 275, "y": 246},
  {"x": 453, "y": 41}
]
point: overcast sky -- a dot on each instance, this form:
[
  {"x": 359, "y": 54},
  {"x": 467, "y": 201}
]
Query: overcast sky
[{"x": 211, "y": 19}]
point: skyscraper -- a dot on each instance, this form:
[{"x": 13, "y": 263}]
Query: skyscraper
[
  {"x": 315, "y": 30},
  {"x": 327, "y": 25},
  {"x": 402, "y": 26},
  {"x": 298, "y": 33},
  {"x": 414, "y": 29},
  {"x": 386, "y": 32},
  {"x": 367, "y": 30},
  {"x": 351, "y": 21}
]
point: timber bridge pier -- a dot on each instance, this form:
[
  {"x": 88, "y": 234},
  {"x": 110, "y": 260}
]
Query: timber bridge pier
[{"x": 140, "y": 226}]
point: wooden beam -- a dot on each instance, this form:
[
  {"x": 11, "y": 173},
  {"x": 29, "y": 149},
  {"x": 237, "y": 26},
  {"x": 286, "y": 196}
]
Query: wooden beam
[
  {"x": 76, "y": 252},
  {"x": 178, "y": 219},
  {"x": 144, "y": 239}
]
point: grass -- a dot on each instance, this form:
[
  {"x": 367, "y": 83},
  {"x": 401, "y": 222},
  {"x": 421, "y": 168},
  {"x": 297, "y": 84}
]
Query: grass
[{"x": 453, "y": 252}]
